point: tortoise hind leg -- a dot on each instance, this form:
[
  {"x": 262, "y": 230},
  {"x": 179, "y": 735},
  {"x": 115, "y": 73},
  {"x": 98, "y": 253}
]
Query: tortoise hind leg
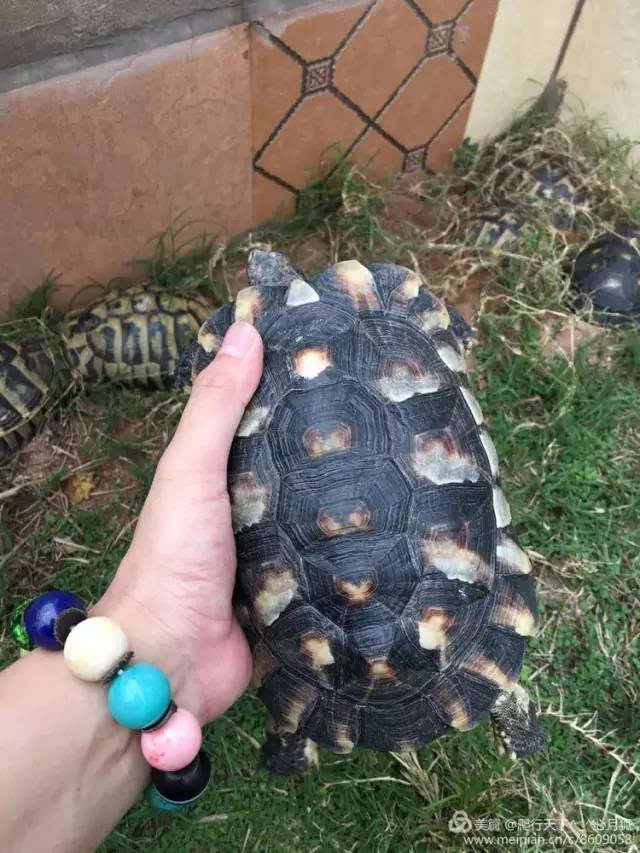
[
  {"x": 292, "y": 754},
  {"x": 516, "y": 725}
]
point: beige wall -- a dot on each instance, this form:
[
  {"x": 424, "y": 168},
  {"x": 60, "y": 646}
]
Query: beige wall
[
  {"x": 525, "y": 43},
  {"x": 602, "y": 66},
  {"x": 95, "y": 164}
]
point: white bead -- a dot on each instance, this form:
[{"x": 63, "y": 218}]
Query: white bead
[{"x": 94, "y": 648}]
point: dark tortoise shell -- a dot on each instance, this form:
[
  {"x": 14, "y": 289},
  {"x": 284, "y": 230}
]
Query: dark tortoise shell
[
  {"x": 606, "y": 277},
  {"x": 379, "y": 580}
]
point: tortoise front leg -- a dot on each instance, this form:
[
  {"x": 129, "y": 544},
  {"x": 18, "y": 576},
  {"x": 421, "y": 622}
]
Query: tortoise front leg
[
  {"x": 291, "y": 754},
  {"x": 515, "y": 724}
]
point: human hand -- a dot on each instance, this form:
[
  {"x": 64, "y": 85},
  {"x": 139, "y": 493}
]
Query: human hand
[{"x": 172, "y": 591}]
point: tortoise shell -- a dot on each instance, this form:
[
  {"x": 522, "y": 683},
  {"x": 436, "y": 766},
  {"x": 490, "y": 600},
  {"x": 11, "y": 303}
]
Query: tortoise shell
[
  {"x": 545, "y": 187},
  {"x": 606, "y": 275},
  {"x": 136, "y": 335},
  {"x": 26, "y": 374},
  {"x": 496, "y": 229},
  {"x": 379, "y": 579}
]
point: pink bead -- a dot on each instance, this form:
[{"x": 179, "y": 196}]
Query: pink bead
[{"x": 174, "y": 745}]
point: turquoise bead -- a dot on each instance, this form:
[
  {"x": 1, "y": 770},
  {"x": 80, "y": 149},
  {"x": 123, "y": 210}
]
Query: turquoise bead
[
  {"x": 139, "y": 696},
  {"x": 158, "y": 802}
]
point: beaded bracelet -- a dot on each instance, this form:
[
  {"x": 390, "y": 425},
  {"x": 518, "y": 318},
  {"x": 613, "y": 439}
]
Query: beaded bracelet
[{"x": 96, "y": 648}]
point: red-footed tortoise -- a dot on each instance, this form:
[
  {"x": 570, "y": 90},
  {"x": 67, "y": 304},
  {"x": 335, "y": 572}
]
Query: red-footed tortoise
[{"x": 379, "y": 579}]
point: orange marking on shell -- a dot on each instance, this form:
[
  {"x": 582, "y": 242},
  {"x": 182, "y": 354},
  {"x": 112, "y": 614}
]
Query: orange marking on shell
[
  {"x": 358, "y": 283},
  {"x": 459, "y": 718},
  {"x": 253, "y": 420},
  {"x": 481, "y": 665},
  {"x": 209, "y": 342},
  {"x": 432, "y": 628},
  {"x": 311, "y": 362},
  {"x": 380, "y": 669},
  {"x": 249, "y": 500},
  {"x": 456, "y": 562},
  {"x": 343, "y": 742},
  {"x": 439, "y": 459},
  {"x": 512, "y": 612},
  {"x": 318, "y": 443},
  {"x": 450, "y": 703},
  {"x": 357, "y": 593},
  {"x": 357, "y": 519},
  {"x": 248, "y": 306},
  {"x": 279, "y": 586},
  {"x": 318, "y": 650},
  {"x": 292, "y": 715},
  {"x": 402, "y": 378},
  {"x": 405, "y": 292}
]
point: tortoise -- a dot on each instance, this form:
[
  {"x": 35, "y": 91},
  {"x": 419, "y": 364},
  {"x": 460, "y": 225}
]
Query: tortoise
[
  {"x": 495, "y": 229},
  {"x": 606, "y": 275},
  {"x": 132, "y": 335},
  {"x": 136, "y": 334},
  {"x": 27, "y": 371},
  {"x": 379, "y": 583},
  {"x": 501, "y": 228},
  {"x": 553, "y": 187}
]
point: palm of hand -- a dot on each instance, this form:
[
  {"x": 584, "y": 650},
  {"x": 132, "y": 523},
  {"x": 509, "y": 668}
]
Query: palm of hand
[{"x": 177, "y": 578}]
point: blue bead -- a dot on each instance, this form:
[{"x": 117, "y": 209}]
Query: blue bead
[
  {"x": 139, "y": 696},
  {"x": 40, "y": 616},
  {"x": 158, "y": 802}
]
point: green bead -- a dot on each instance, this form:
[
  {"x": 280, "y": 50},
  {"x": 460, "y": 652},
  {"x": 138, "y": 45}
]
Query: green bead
[
  {"x": 18, "y": 631},
  {"x": 158, "y": 802}
]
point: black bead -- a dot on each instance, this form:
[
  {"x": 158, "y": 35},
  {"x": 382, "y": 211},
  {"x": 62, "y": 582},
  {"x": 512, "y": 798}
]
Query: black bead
[
  {"x": 186, "y": 785},
  {"x": 67, "y": 620}
]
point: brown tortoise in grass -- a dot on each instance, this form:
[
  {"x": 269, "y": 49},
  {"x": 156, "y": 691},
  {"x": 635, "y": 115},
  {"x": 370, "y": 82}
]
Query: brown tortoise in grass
[{"x": 379, "y": 580}]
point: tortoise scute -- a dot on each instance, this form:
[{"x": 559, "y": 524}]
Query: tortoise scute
[
  {"x": 137, "y": 335},
  {"x": 27, "y": 371},
  {"x": 378, "y": 578}
]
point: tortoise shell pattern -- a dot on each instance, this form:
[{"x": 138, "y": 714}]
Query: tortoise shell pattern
[
  {"x": 136, "y": 335},
  {"x": 379, "y": 580},
  {"x": 26, "y": 374}
]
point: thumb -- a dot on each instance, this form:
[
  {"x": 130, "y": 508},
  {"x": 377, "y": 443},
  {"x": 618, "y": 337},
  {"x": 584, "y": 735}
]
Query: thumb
[{"x": 219, "y": 397}]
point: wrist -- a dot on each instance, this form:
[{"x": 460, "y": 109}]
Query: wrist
[{"x": 152, "y": 642}]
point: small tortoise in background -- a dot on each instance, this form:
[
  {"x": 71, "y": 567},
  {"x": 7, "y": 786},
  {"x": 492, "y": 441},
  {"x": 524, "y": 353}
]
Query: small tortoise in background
[
  {"x": 133, "y": 335},
  {"x": 606, "y": 275},
  {"x": 27, "y": 370},
  {"x": 379, "y": 580},
  {"x": 496, "y": 229}
]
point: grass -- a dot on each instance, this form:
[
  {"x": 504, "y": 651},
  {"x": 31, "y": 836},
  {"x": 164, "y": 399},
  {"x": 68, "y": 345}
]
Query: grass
[{"x": 566, "y": 423}]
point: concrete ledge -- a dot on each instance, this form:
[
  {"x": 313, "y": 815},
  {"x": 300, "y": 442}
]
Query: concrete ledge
[
  {"x": 31, "y": 30},
  {"x": 39, "y": 41}
]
